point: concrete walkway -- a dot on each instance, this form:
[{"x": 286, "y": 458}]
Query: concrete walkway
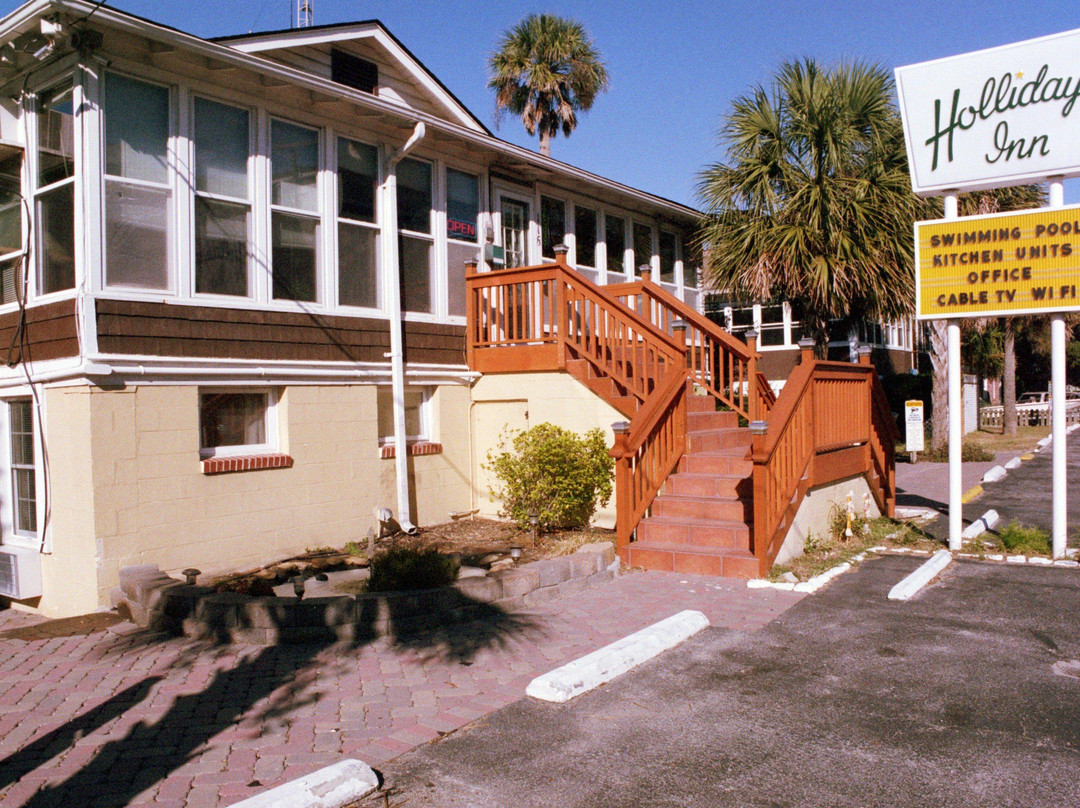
[{"x": 100, "y": 714}]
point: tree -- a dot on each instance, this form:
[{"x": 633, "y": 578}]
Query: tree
[
  {"x": 546, "y": 70},
  {"x": 814, "y": 203}
]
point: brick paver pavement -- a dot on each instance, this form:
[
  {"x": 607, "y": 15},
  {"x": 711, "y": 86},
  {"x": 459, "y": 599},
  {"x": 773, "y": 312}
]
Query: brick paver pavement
[{"x": 122, "y": 716}]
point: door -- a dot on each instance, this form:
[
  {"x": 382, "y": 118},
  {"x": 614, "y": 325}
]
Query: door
[{"x": 514, "y": 215}]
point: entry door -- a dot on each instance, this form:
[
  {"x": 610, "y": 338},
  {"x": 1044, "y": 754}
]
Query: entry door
[{"x": 515, "y": 231}]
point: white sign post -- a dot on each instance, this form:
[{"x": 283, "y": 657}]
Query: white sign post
[{"x": 914, "y": 430}]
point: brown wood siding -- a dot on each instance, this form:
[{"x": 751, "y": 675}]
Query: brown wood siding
[
  {"x": 159, "y": 329},
  {"x": 49, "y": 333}
]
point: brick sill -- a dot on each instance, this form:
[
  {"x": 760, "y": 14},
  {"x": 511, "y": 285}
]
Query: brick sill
[
  {"x": 257, "y": 462},
  {"x": 425, "y": 448}
]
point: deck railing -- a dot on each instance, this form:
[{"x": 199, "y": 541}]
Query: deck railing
[
  {"x": 721, "y": 363},
  {"x": 831, "y": 421}
]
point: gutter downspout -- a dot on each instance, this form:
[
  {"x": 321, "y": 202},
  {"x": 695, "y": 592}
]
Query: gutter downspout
[{"x": 392, "y": 276}]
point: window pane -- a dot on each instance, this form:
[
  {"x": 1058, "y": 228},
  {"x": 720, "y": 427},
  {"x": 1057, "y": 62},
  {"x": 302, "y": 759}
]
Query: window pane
[
  {"x": 56, "y": 135},
  {"x": 56, "y": 231},
  {"x": 667, "y": 257},
  {"x": 414, "y": 399},
  {"x": 22, "y": 433},
  {"x": 358, "y": 175},
  {"x": 136, "y": 129},
  {"x": 552, "y": 225},
  {"x": 615, "y": 237},
  {"x": 358, "y": 282},
  {"x": 222, "y": 141},
  {"x": 11, "y": 280},
  {"x": 642, "y": 246},
  {"x": 11, "y": 225},
  {"x": 414, "y": 196},
  {"x": 232, "y": 419},
  {"x": 136, "y": 236},
  {"x": 462, "y": 205},
  {"x": 456, "y": 256},
  {"x": 415, "y": 274},
  {"x": 295, "y": 159},
  {"x": 24, "y": 484},
  {"x": 295, "y": 257},
  {"x": 221, "y": 247},
  {"x": 585, "y": 236}
]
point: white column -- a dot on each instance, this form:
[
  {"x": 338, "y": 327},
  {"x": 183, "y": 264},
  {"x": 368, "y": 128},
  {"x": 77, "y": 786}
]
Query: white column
[
  {"x": 956, "y": 416},
  {"x": 1057, "y": 406}
]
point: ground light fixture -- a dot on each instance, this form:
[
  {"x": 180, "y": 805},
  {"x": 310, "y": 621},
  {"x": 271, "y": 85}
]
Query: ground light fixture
[{"x": 534, "y": 522}]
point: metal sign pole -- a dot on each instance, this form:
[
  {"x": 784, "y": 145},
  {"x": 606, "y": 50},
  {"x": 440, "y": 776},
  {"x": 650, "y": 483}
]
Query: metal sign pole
[
  {"x": 1057, "y": 403},
  {"x": 956, "y": 415}
]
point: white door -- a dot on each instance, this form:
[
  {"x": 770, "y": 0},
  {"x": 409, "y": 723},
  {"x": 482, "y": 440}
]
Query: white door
[{"x": 514, "y": 215}]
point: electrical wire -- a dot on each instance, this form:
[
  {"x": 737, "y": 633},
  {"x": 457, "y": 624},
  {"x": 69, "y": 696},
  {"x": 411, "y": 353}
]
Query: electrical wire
[{"x": 90, "y": 13}]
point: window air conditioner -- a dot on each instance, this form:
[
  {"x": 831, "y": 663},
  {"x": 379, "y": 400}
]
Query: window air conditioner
[{"x": 20, "y": 572}]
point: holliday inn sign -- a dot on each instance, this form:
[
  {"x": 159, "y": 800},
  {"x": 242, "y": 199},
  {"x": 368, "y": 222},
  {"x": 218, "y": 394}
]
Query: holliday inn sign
[{"x": 1003, "y": 116}]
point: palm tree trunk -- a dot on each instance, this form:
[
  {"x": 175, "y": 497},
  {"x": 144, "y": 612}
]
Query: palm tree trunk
[
  {"x": 939, "y": 361},
  {"x": 1008, "y": 394},
  {"x": 545, "y": 143}
]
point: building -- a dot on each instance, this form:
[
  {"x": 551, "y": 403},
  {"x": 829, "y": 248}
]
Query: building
[{"x": 233, "y": 296}]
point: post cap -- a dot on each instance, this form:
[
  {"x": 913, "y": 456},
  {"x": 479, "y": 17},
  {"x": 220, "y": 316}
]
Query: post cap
[
  {"x": 759, "y": 427},
  {"x": 645, "y": 268},
  {"x": 865, "y": 350},
  {"x": 561, "y": 249},
  {"x": 678, "y": 325},
  {"x": 751, "y": 334},
  {"x": 620, "y": 427},
  {"x": 807, "y": 343}
]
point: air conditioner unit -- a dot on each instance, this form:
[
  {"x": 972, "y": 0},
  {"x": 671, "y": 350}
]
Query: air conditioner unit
[{"x": 20, "y": 572}]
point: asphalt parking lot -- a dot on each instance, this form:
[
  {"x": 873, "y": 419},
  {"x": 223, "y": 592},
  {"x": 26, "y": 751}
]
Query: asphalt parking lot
[{"x": 959, "y": 697}]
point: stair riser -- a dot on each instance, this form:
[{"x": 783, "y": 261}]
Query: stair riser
[
  {"x": 718, "y": 440},
  {"x": 684, "y": 485},
  {"x": 713, "y": 509},
  {"x": 716, "y": 464},
  {"x": 728, "y": 566},
  {"x": 709, "y": 421},
  {"x": 705, "y": 536}
]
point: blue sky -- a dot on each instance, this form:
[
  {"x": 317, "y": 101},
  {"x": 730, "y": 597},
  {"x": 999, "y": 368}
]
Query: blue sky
[{"x": 675, "y": 66}]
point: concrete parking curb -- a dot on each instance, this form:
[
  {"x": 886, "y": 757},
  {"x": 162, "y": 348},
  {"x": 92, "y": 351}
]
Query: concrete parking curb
[
  {"x": 981, "y": 525},
  {"x": 994, "y": 474},
  {"x": 603, "y": 665},
  {"x": 334, "y": 786},
  {"x": 910, "y": 585}
]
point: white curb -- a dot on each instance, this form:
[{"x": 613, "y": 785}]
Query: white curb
[
  {"x": 342, "y": 783},
  {"x": 981, "y": 525},
  {"x": 818, "y": 581},
  {"x": 911, "y": 512},
  {"x": 994, "y": 474},
  {"x": 1016, "y": 559},
  {"x": 921, "y": 577},
  {"x": 603, "y": 665},
  {"x": 1014, "y": 463}
]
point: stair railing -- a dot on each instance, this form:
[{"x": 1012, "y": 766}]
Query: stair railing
[
  {"x": 721, "y": 363},
  {"x": 831, "y": 421}
]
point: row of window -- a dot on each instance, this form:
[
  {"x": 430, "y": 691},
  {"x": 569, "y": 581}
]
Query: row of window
[{"x": 778, "y": 327}]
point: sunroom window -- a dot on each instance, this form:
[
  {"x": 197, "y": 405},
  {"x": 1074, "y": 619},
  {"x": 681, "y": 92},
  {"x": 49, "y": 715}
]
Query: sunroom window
[
  {"x": 615, "y": 238},
  {"x": 415, "y": 242},
  {"x": 138, "y": 198},
  {"x": 585, "y": 236},
  {"x": 462, "y": 213},
  {"x": 642, "y": 246},
  {"x": 222, "y": 199},
  {"x": 552, "y": 225},
  {"x": 54, "y": 200},
  {"x": 294, "y": 218},
  {"x": 667, "y": 257},
  {"x": 358, "y": 177},
  {"x": 11, "y": 229}
]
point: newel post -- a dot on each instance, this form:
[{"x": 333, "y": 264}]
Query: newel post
[
  {"x": 560, "y": 254},
  {"x": 678, "y": 330},
  {"x": 806, "y": 350},
  {"x": 472, "y": 310},
  {"x": 751, "y": 371},
  {"x": 758, "y": 430},
  {"x": 623, "y": 483},
  {"x": 864, "y": 354}
]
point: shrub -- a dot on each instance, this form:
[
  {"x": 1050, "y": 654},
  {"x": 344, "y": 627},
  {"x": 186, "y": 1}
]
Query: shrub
[
  {"x": 402, "y": 568},
  {"x": 1018, "y": 538},
  {"x": 838, "y": 523},
  {"x": 550, "y": 471},
  {"x": 970, "y": 452}
]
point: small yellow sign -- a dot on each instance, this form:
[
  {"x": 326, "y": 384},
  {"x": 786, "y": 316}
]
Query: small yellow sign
[{"x": 1001, "y": 264}]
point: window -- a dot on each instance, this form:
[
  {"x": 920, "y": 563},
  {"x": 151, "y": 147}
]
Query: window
[
  {"x": 514, "y": 215},
  {"x": 235, "y": 422},
  {"x": 615, "y": 239},
  {"x": 54, "y": 200},
  {"x": 358, "y": 178},
  {"x": 552, "y": 225},
  {"x": 585, "y": 236},
  {"x": 415, "y": 242},
  {"x": 667, "y": 257},
  {"x": 11, "y": 229},
  {"x": 462, "y": 212},
  {"x": 772, "y": 326},
  {"x": 138, "y": 199},
  {"x": 642, "y": 246},
  {"x": 416, "y": 430},
  {"x": 222, "y": 199},
  {"x": 294, "y": 220},
  {"x": 23, "y": 473}
]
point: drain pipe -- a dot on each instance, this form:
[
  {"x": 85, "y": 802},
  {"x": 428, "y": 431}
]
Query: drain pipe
[{"x": 392, "y": 276}]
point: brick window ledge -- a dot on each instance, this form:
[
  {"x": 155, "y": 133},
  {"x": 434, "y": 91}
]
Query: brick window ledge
[
  {"x": 254, "y": 462},
  {"x": 423, "y": 448}
]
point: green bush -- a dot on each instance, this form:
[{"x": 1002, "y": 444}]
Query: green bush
[
  {"x": 838, "y": 523},
  {"x": 560, "y": 476},
  {"x": 970, "y": 452},
  {"x": 1018, "y": 538},
  {"x": 410, "y": 568}
]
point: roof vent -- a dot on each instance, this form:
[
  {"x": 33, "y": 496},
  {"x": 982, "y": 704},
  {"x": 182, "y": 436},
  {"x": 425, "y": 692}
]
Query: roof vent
[{"x": 352, "y": 71}]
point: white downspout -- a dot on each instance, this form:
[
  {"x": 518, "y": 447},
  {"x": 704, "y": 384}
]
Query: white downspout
[{"x": 392, "y": 276}]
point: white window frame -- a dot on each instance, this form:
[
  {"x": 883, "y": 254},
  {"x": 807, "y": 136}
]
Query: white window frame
[
  {"x": 437, "y": 266},
  {"x": 573, "y": 239},
  {"x": 444, "y": 240},
  {"x": 319, "y": 215},
  {"x": 21, "y": 289},
  {"x": 270, "y": 424},
  {"x": 567, "y": 209},
  {"x": 334, "y": 293},
  {"x": 532, "y": 233},
  {"x": 8, "y": 534},
  {"x": 424, "y": 411}
]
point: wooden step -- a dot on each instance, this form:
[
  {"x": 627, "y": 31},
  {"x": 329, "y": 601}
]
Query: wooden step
[
  {"x": 708, "y": 421},
  {"x": 684, "y": 483},
  {"x": 717, "y": 439},
  {"x": 676, "y": 557},
  {"x": 709, "y": 509},
  {"x": 696, "y": 403},
  {"x": 717, "y": 534},
  {"x": 731, "y": 461}
]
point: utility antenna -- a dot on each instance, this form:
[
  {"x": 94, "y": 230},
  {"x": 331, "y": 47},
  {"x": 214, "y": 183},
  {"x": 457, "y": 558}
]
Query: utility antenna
[{"x": 305, "y": 13}]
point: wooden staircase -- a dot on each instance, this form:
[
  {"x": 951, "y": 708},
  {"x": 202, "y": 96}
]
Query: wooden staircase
[
  {"x": 700, "y": 521},
  {"x": 694, "y": 492}
]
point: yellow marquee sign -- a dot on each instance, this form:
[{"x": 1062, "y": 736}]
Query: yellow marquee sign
[{"x": 1002, "y": 264}]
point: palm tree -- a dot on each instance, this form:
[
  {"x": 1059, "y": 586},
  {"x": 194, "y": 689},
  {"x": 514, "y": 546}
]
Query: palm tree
[
  {"x": 814, "y": 204},
  {"x": 546, "y": 70}
]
